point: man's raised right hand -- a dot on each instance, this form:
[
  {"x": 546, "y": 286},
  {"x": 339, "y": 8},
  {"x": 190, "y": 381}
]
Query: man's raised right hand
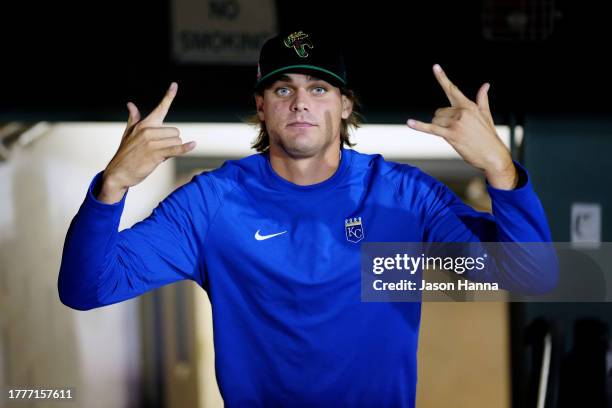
[{"x": 145, "y": 144}]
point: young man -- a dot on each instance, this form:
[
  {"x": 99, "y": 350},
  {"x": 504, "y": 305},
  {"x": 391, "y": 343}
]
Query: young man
[{"x": 266, "y": 236}]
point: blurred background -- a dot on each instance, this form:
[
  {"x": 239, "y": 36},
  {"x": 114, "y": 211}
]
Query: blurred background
[{"x": 70, "y": 68}]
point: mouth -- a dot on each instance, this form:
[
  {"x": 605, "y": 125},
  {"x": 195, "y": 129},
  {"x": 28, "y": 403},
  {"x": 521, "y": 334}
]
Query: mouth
[{"x": 301, "y": 124}]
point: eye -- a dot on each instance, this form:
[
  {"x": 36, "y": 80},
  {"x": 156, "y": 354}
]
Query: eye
[
  {"x": 319, "y": 90},
  {"x": 282, "y": 91}
]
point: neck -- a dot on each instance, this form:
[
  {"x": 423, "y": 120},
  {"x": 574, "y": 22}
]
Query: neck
[{"x": 304, "y": 171}]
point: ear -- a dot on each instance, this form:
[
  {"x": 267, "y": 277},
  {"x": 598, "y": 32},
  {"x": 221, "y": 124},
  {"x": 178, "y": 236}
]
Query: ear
[
  {"x": 259, "y": 102},
  {"x": 347, "y": 107}
]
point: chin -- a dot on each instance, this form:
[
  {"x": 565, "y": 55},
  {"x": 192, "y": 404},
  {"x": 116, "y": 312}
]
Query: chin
[
  {"x": 301, "y": 144},
  {"x": 301, "y": 149}
]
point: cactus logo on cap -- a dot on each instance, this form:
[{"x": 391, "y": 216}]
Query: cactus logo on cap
[{"x": 299, "y": 41}]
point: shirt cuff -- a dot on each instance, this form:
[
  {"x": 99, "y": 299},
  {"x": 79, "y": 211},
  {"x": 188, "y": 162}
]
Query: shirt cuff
[
  {"x": 92, "y": 203},
  {"x": 523, "y": 185}
]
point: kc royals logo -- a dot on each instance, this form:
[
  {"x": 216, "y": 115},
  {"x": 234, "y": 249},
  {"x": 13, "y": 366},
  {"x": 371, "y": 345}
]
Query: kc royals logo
[
  {"x": 299, "y": 41},
  {"x": 353, "y": 229}
]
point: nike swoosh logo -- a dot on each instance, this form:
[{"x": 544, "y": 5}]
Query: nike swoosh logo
[{"x": 262, "y": 237}]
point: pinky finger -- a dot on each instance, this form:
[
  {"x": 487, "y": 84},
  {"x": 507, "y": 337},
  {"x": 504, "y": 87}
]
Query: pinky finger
[{"x": 430, "y": 128}]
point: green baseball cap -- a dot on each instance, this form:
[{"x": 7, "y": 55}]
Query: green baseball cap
[{"x": 301, "y": 52}]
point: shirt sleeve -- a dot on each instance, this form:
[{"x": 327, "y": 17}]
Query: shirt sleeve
[
  {"x": 101, "y": 266},
  {"x": 517, "y": 217}
]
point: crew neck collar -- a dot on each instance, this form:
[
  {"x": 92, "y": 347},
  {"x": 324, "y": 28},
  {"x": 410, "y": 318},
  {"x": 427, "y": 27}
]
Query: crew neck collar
[{"x": 325, "y": 185}]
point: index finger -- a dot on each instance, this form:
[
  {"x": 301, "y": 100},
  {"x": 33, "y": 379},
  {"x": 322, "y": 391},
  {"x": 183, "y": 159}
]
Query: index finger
[
  {"x": 157, "y": 115},
  {"x": 454, "y": 95}
]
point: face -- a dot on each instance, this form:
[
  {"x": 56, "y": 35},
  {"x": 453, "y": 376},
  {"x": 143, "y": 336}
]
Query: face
[{"x": 303, "y": 114}]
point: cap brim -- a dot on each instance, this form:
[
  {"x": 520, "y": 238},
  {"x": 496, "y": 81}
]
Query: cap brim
[{"x": 318, "y": 72}]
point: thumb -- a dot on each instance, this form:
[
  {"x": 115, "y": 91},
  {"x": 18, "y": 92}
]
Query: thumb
[
  {"x": 482, "y": 99},
  {"x": 133, "y": 118}
]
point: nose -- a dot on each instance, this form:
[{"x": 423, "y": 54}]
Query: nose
[{"x": 300, "y": 101}]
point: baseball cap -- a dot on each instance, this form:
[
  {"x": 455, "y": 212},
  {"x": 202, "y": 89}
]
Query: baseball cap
[{"x": 301, "y": 51}]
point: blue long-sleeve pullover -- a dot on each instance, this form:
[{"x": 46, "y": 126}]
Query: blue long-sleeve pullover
[{"x": 290, "y": 328}]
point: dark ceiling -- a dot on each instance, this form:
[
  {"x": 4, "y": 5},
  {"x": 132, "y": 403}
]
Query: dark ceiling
[{"x": 84, "y": 61}]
